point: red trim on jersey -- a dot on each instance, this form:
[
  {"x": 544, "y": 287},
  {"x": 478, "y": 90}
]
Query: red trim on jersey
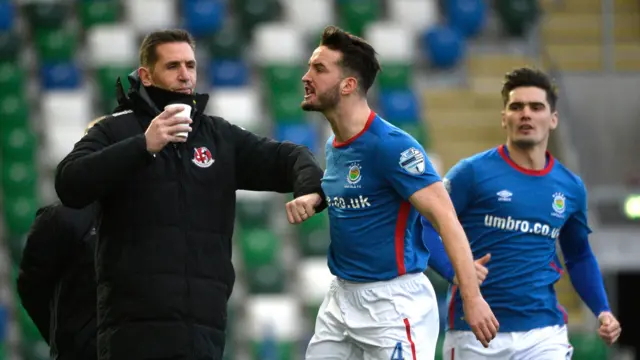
[
  {"x": 407, "y": 326},
  {"x": 336, "y": 143},
  {"x": 452, "y": 308},
  {"x": 401, "y": 228},
  {"x": 556, "y": 268},
  {"x": 545, "y": 171},
  {"x": 565, "y": 316}
]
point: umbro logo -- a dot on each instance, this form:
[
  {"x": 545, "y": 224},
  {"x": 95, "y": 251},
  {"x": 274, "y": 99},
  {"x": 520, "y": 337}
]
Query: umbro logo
[{"x": 504, "y": 195}]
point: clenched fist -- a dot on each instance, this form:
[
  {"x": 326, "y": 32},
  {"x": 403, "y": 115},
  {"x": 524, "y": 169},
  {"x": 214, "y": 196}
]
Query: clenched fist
[
  {"x": 302, "y": 208},
  {"x": 609, "y": 329},
  {"x": 481, "y": 269},
  {"x": 163, "y": 129}
]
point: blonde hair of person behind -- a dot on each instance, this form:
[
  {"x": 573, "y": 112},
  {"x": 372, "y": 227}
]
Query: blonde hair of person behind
[{"x": 93, "y": 122}]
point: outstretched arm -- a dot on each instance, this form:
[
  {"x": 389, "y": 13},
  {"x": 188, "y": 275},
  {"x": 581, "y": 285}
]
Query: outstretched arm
[{"x": 263, "y": 164}]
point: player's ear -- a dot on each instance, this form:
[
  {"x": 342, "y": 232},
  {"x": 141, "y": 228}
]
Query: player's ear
[
  {"x": 503, "y": 119},
  {"x": 348, "y": 86},
  {"x": 145, "y": 76},
  {"x": 554, "y": 120}
]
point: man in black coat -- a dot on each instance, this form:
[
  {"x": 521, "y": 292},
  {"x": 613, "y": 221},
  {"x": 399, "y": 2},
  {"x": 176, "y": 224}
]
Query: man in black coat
[
  {"x": 167, "y": 205},
  {"x": 56, "y": 282}
]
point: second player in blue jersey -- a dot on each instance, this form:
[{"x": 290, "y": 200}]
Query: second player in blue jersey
[{"x": 514, "y": 202}]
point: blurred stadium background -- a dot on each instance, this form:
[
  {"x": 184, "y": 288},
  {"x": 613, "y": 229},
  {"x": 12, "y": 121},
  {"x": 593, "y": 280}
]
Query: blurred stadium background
[{"x": 443, "y": 62}]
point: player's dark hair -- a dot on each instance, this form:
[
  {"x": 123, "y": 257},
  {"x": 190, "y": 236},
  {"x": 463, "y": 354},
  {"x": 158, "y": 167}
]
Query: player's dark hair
[
  {"x": 358, "y": 57},
  {"x": 525, "y": 77},
  {"x": 149, "y": 55}
]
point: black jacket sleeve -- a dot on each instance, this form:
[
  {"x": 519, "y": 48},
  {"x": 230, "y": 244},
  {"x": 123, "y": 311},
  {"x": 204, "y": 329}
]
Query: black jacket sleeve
[
  {"x": 97, "y": 164},
  {"x": 263, "y": 164},
  {"x": 47, "y": 250}
]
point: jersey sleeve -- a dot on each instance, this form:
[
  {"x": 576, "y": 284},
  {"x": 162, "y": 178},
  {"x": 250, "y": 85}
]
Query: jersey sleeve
[
  {"x": 403, "y": 162},
  {"x": 580, "y": 261},
  {"x": 458, "y": 182}
]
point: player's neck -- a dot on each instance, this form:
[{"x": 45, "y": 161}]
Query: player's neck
[
  {"x": 348, "y": 120},
  {"x": 532, "y": 158}
]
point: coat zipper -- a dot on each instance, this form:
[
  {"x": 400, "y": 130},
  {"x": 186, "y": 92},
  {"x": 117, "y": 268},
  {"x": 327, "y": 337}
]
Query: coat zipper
[{"x": 185, "y": 229}]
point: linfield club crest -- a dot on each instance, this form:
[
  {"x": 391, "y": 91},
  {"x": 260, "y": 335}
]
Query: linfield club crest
[
  {"x": 559, "y": 203},
  {"x": 355, "y": 175}
]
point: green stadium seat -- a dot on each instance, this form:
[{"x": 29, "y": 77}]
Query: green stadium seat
[
  {"x": 355, "y": 15},
  {"x": 18, "y": 144},
  {"x": 265, "y": 279},
  {"x": 313, "y": 235},
  {"x": 98, "y": 12},
  {"x": 20, "y": 211},
  {"x": 254, "y": 12},
  {"x": 53, "y": 45},
  {"x": 588, "y": 346},
  {"x": 14, "y": 112},
  {"x": 282, "y": 78},
  {"x": 517, "y": 17},
  {"x": 106, "y": 77},
  {"x": 47, "y": 14},
  {"x": 395, "y": 76},
  {"x": 259, "y": 247},
  {"x": 285, "y": 107},
  {"x": 253, "y": 213},
  {"x": 12, "y": 79},
  {"x": 227, "y": 43},
  {"x": 18, "y": 177},
  {"x": 10, "y": 44}
]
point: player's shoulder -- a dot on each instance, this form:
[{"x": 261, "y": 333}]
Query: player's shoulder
[
  {"x": 562, "y": 173},
  {"x": 478, "y": 162},
  {"x": 389, "y": 135}
]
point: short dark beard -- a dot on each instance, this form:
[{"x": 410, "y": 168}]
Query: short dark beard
[
  {"x": 327, "y": 100},
  {"x": 524, "y": 144}
]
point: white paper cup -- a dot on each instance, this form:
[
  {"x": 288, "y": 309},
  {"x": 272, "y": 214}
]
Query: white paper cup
[{"x": 184, "y": 113}]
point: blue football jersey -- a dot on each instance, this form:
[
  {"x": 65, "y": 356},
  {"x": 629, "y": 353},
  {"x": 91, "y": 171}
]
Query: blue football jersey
[
  {"x": 367, "y": 182},
  {"x": 516, "y": 215}
]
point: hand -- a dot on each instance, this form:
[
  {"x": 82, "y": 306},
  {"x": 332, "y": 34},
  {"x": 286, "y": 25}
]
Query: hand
[
  {"x": 163, "y": 129},
  {"x": 609, "y": 329},
  {"x": 481, "y": 270},
  {"x": 302, "y": 208},
  {"x": 481, "y": 319}
]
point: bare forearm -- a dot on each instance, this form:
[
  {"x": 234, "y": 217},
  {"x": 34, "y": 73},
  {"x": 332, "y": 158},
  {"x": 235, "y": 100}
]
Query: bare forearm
[
  {"x": 457, "y": 247},
  {"x": 434, "y": 203}
]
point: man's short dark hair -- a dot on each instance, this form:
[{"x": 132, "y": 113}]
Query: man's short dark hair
[
  {"x": 148, "y": 53},
  {"x": 358, "y": 57},
  {"x": 529, "y": 77}
]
